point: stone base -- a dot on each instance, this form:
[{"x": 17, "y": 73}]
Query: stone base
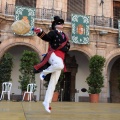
[
  {"x": 19, "y": 97},
  {"x": 83, "y": 99}
]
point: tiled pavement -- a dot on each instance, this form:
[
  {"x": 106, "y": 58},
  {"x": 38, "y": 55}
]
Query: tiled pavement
[{"x": 60, "y": 111}]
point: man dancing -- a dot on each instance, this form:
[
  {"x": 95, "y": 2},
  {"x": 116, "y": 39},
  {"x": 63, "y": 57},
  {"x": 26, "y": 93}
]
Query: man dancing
[{"x": 58, "y": 47}]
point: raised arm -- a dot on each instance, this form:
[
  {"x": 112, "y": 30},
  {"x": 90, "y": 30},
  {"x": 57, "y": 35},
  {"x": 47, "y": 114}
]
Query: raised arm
[{"x": 44, "y": 36}]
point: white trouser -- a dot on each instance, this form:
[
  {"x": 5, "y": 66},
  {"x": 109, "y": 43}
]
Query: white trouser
[{"x": 55, "y": 68}]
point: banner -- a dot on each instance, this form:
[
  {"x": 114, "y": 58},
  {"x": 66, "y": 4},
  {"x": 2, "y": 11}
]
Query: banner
[
  {"x": 80, "y": 29},
  {"x": 27, "y": 14}
]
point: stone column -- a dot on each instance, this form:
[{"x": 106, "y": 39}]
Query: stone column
[{"x": 103, "y": 94}]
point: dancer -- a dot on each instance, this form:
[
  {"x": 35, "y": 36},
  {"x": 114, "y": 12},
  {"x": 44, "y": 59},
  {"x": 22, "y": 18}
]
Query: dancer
[{"x": 58, "y": 46}]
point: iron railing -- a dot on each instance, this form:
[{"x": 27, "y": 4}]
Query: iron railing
[
  {"x": 101, "y": 21},
  {"x": 10, "y": 9},
  {"x": 44, "y": 13}
]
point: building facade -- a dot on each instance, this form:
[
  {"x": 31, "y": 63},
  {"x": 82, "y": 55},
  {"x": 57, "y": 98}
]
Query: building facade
[{"x": 104, "y": 34}]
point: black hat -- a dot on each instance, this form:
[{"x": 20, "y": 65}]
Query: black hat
[{"x": 57, "y": 21}]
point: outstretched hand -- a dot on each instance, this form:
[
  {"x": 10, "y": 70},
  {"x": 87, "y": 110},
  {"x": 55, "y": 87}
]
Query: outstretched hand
[{"x": 37, "y": 30}]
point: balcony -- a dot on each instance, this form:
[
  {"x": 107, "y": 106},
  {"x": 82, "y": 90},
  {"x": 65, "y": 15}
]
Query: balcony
[{"x": 47, "y": 14}]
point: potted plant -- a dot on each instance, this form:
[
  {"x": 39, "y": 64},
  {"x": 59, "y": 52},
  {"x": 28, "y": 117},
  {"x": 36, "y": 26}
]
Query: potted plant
[
  {"x": 57, "y": 88},
  {"x": 6, "y": 65},
  {"x": 95, "y": 80},
  {"x": 28, "y": 60}
]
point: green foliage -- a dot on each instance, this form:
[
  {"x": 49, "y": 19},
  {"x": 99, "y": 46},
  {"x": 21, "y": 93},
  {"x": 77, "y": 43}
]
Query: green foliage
[
  {"x": 95, "y": 80},
  {"x": 6, "y": 65},
  {"x": 28, "y": 60}
]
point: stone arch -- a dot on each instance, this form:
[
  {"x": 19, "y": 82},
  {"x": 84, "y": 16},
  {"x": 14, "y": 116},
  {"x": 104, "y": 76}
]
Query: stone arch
[
  {"x": 32, "y": 43},
  {"x": 110, "y": 56},
  {"x": 6, "y": 44},
  {"x": 106, "y": 72},
  {"x": 72, "y": 69},
  {"x": 88, "y": 52}
]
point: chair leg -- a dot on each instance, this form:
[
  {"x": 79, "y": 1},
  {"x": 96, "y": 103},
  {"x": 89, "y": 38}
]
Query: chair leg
[
  {"x": 8, "y": 95},
  {"x": 2, "y": 96},
  {"x": 27, "y": 96},
  {"x": 30, "y": 96},
  {"x": 23, "y": 96}
]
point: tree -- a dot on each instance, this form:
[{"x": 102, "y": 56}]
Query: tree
[
  {"x": 6, "y": 65},
  {"x": 28, "y": 60},
  {"x": 95, "y": 79}
]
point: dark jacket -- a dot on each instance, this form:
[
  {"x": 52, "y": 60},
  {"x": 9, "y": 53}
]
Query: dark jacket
[{"x": 55, "y": 39}]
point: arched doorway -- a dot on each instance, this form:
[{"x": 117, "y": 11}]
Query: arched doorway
[
  {"x": 16, "y": 52},
  {"x": 114, "y": 75},
  {"x": 68, "y": 83},
  {"x": 75, "y": 77}
]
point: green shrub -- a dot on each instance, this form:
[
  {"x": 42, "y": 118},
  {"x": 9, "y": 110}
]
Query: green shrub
[
  {"x": 6, "y": 65},
  {"x": 95, "y": 80},
  {"x": 28, "y": 60}
]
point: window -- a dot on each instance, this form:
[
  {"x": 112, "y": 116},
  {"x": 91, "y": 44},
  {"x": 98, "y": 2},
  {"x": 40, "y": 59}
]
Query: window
[
  {"x": 26, "y": 3},
  {"x": 76, "y": 7},
  {"x": 116, "y": 13}
]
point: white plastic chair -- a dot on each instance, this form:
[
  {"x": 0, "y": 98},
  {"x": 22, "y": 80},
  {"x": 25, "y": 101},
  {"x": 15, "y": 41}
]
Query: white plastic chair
[
  {"x": 6, "y": 89},
  {"x": 30, "y": 89}
]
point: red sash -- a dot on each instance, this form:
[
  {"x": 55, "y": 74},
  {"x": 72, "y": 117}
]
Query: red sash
[{"x": 48, "y": 55}]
